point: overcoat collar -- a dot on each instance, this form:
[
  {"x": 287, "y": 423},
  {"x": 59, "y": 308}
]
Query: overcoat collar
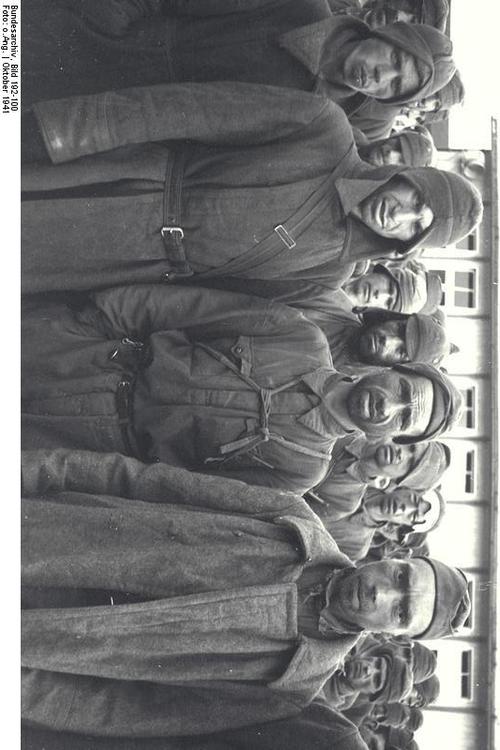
[{"x": 313, "y": 664}]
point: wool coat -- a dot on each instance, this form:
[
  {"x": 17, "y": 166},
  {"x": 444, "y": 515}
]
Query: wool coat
[
  {"x": 90, "y": 47},
  {"x": 250, "y": 406},
  {"x": 216, "y": 560},
  {"x": 255, "y": 155},
  {"x": 317, "y": 726}
]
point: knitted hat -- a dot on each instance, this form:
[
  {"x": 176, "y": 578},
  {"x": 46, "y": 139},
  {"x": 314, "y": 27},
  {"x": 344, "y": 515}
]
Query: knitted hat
[
  {"x": 426, "y": 340},
  {"x": 453, "y": 93},
  {"x": 417, "y": 146},
  {"x": 455, "y": 202},
  {"x": 424, "y": 662},
  {"x": 430, "y": 467},
  {"x": 435, "y": 13},
  {"x": 452, "y": 603},
  {"x": 447, "y": 402},
  {"x": 434, "y": 294},
  {"x": 430, "y": 47},
  {"x": 428, "y": 690}
]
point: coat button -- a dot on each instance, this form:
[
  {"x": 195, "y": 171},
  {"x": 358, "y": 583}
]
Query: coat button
[
  {"x": 167, "y": 276},
  {"x": 238, "y": 349}
]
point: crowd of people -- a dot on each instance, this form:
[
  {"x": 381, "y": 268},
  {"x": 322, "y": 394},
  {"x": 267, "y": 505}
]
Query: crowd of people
[{"x": 234, "y": 372}]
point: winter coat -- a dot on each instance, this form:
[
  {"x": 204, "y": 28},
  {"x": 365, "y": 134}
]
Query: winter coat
[
  {"x": 89, "y": 47},
  {"x": 196, "y": 378},
  {"x": 255, "y": 155},
  {"x": 316, "y": 726},
  {"x": 221, "y": 602}
]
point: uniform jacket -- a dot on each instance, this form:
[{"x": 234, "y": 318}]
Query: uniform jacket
[
  {"x": 340, "y": 491},
  {"x": 186, "y": 407},
  {"x": 146, "y": 42},
  {"x": 255, "y": 155},
  {"x": 317, "y": 725},
  {"x": 217, "y": 609}
]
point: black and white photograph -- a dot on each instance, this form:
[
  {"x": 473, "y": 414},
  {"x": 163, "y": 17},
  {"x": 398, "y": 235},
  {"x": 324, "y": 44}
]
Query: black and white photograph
[{"x": 257, "y": 255}]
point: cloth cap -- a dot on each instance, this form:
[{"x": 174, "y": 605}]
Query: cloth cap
[
  {"x": 434, "y": 294},
  {"x": 417, "y": 147},
  {"x": 447, "y": 402},
  {"x": 455, "y": 202},
  {"x": 411, "y": 288},
  {"x": 430, "y": 47},
  {"x": 426, "y": 340},
  {"x": 435, "y": 13},
  {"x": 424, "y": 662},
  {"x": 415, "y": 720},
  {"x": 429, "y": 468},
  {"x": 453, "y": 93},
  {"x": 428, "y": 690},
  {"x": 452, "y": 603}
]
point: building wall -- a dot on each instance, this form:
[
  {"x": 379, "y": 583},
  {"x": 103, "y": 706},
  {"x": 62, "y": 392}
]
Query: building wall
[{"x": 462, "y": 539}]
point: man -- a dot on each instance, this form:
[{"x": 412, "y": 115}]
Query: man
[
  {"x": 307, "y": 209},
  {"x": 425, "y": 693},
  {"x": 249, "y": 592},
  {"x": 357, "y": 464},
  {"x": 403, "y": 290},
  {"x": 211, "y": 380},
  {"x": 431, "y": 12},
  {"x": 437, "y": 106},
  {"x": 383, "y": 339},
  {"x": 393, "y": 514},
  {"x": 317, "y": 725},
  {"x": 413, "y": 147},
  {"x": 376, "y": 676},
  {"x": 299, "y": 45}
]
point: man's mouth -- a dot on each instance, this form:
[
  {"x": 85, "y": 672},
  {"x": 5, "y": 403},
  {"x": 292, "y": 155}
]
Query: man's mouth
[
  {"x": 359, "y": 77},
  {"x": 389, "y": 505}
]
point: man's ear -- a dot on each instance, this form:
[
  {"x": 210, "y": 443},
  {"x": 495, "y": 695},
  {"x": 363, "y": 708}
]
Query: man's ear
[{"x": 380, "y": 483}]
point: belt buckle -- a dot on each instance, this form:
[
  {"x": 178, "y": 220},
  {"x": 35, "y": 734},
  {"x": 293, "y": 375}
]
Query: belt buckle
[
  {"x": 176, "y": 233},
  {"x": 285, "y": 237}
]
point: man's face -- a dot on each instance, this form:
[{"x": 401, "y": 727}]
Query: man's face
[
  {"x": 390, "y": 403},
  {"x": 403, "y": 507},
  {"x": 384, "y": 343},
  {"x": 374, "y": 737},
  {"x": 368, "y": 675},
  {"x": 387, "y": 459},
  {"x": 414, "y": 699},
  {"x": 382, "y": 13},
  {"x": 428, "y": 104},
  {"x": 396, "y": 210},
  {"x": 379, "y": 69},
  {"x": 393, "y": 596},
  {"x": 374, "y": 289},
  {"x": 386, "y": 153}
]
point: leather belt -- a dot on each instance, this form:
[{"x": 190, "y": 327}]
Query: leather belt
[
  {"x": 124, "y": 401},
  {"x": 171, "y": 232}
]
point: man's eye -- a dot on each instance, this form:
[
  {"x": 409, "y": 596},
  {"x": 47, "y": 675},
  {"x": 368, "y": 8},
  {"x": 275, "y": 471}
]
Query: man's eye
[
  {"x": 405, "y": 419},
  {"x": 396, "y": 87}
]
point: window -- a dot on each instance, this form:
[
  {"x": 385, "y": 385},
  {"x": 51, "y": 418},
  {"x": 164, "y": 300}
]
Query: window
[
  {"x": 442, "y": 276},
  {"x": 470, "y": 457},
  {"x": 469, "y": 621},
  {"x": 466, "y": 675},
  {"x": 469, "y": 243},
  {"x": 465, "y": 289},
  {"x": 468, "y": 418}
]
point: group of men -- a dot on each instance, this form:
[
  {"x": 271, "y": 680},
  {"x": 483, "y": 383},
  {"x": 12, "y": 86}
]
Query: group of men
[{"x": 232, "y": 389}]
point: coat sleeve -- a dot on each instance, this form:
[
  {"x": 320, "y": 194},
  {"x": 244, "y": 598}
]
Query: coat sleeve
[
  {"x": 114, "y": 708},
  {"x": 139, "y": 310},
  {"x": 45, "y": 472},
  {"x": 214, "y": 113},
  {"x": 115, "y": 17}
]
